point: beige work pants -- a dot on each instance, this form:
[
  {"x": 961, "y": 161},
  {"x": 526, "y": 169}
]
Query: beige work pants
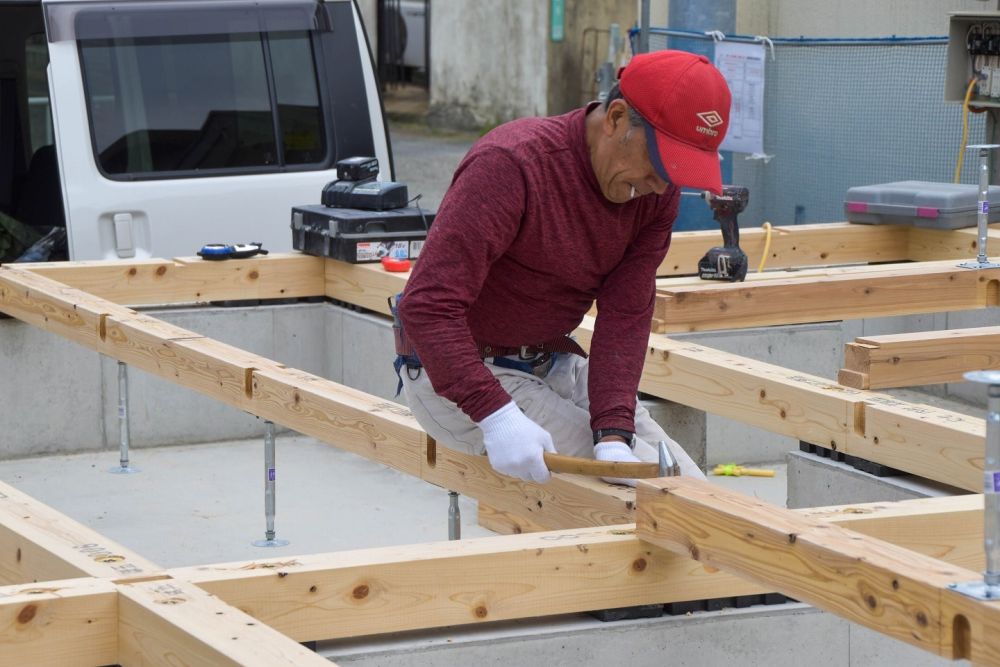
[{"x": 558, "y": 402}]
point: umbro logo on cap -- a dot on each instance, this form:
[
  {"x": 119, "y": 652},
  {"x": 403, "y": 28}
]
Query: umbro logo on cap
[{"x": 711, "y": 118}]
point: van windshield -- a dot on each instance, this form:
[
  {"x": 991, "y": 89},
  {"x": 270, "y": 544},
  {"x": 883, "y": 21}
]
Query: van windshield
[{"x": 175, "y": 105}]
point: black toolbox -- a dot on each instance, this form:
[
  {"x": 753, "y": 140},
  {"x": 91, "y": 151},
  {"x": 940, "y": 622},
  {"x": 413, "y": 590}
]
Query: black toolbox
[{"x": 356, "y": 235}]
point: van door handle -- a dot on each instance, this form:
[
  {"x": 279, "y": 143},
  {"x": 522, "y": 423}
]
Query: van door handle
[{"x": 124, "y": 238}]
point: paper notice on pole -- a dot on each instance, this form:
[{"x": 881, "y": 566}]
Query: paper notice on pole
[{"x": 743, "y": 67}]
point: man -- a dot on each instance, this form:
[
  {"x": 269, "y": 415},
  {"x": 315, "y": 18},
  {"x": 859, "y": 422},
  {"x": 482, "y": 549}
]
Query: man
[{"x": 543, "y": 217}]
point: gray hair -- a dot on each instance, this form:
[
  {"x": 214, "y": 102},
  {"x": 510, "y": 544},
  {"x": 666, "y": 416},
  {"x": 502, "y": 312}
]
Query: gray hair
[{"x": 634, "y": 117}]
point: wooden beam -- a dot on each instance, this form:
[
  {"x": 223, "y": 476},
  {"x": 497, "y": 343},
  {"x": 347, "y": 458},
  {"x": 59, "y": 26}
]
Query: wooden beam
[
  {"x": 845, "y": 294},
  {"x": 191, "y": 279},
  {"x": 794, "y": 246},
  {"x": 37, "y": 543},
  {"x": 357, "y": 422},
  {"x": 365, "y": 285},
  {"x": 889, "y": 589},
  {"x": 173, "y": 622},
  {"x": 327, "y": 596},
  {"x": 927, "y": 245},
  {"x": 949, "y": 528},
  {"x": 69, "y": 623},
  {"x": 912, "y": 359},
  {"x": 456, "y": 583}
]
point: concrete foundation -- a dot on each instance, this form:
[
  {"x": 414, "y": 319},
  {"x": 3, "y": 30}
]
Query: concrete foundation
[
  {"x": 815, "y": 481},
  {"x": 787, "y": 635}
]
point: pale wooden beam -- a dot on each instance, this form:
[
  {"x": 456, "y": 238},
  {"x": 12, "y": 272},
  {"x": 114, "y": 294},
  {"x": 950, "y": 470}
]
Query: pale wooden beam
[
  {"x": 191, "y": 279},
  {"x": 913, "y": 359},
  {"x": 926, "y": 244},
  {"x": 456, "y": 583},
  {"x": 794, "y": 246},
  {"x": 38, "y": 543},
  {"x": 892, "y": 590},
  {"x": 69, "y": 623},
  {"x": 327, "y": 596},
  {"x": 844, "y": 294},
  {"x": 783, "y": 401},
  {"x": 174, "y": 622}
]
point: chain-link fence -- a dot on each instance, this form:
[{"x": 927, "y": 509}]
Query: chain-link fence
[{"x": 841, "y": 113}]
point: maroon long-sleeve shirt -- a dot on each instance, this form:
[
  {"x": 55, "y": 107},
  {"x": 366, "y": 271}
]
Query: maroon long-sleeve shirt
[{"x": 522, "y": 244}]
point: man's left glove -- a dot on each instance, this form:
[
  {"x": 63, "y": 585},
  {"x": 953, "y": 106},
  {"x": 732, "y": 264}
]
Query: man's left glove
[
  {"x": 614, "y": 450},
  {"x": 516, "y": 445}
]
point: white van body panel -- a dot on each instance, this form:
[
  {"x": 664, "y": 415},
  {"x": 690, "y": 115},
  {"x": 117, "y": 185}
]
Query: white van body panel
[{"x": 112, "y": 219}]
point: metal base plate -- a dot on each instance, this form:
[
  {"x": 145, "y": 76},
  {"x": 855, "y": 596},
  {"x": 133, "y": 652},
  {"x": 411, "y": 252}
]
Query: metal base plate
[
  {"x": 977, "y": 589},
  {"x": 270, "y": 543},
  {"x": 979, "y": 265},
  {"x": 123, "y": 470}
]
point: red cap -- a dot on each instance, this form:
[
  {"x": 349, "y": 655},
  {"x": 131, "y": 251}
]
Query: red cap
[{"x": 685, "y": 102}]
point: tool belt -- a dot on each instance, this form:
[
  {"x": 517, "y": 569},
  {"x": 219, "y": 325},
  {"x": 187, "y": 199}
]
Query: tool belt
[{"x": 534, "y": 359}]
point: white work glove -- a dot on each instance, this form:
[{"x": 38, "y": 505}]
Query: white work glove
[
  {"x": 515, "y": 444},
  {"x": 615, "y": 450}
]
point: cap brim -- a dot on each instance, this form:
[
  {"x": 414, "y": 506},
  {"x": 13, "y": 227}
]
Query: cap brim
[{"x": 682, "y": 164}]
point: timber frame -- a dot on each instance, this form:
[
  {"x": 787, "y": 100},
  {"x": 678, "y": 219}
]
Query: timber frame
[{"x": 102, "y": 604}]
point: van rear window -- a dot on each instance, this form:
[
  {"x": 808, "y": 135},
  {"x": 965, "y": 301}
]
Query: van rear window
[{"x": 203, "y": 105}]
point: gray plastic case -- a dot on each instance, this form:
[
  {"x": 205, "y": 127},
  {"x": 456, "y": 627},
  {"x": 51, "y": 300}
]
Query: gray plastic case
[{"x": 920, "y": 203}]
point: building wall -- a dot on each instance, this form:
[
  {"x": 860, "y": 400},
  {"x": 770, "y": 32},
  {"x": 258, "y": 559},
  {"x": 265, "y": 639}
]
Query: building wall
[
  {"x": 850, "y": 18},
  {"x": 489, "y": 62},
  {"x": 493, "y": 61},
  {"x": 574, "y": 61}
]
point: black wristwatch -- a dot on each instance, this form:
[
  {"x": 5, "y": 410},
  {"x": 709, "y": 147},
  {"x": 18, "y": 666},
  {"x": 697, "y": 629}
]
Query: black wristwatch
[{"x": 603, "y": 432}]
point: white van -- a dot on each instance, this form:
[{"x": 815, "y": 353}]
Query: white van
[{"x": 149, "y": 128}]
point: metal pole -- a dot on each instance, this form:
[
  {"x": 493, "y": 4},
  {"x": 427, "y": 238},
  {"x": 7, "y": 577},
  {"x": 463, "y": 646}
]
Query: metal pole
[
  {"x": 989, "y": 587},
  {"x": 124, "y": 437},
  {"x": 269, "y": 479},
  {"x": 983, "y": 209},
  {"x": 454, "y": 517},
  {"x": 644, "y": 27}
]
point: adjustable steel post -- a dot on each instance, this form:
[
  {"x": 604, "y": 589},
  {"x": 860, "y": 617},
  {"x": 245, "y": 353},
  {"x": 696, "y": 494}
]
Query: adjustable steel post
[
  {"x": 989, "y": 587},
  {"x": 454, "y": 517},
  {"x": 983, "y": 213},
  {"x": 269, "y": 477},
  {"x": 124, "y": 438},
  {"x": 668, "y": 464}
]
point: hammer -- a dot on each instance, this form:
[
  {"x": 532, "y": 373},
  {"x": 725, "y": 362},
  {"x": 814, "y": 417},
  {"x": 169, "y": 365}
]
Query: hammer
[{"x": 666, "y": 467}]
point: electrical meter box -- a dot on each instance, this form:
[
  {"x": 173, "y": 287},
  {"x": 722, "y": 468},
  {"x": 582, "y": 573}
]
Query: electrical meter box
[
  {"x": 920, "y": 203},
  {"x": 973, "y": 41}
]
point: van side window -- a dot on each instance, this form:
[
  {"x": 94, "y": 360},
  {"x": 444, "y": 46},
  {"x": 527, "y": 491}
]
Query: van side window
[
  {"x": 193, "y": 105},
  {"x": 36, "y": 51}
]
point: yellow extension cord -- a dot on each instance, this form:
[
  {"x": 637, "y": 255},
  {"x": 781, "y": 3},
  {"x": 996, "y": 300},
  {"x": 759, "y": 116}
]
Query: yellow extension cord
[
  {"x": 965, "y": 129},
  {"x": 767, "y": 246}
]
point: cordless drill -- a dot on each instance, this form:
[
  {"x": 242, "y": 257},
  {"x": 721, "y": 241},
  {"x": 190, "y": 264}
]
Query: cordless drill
[{"x": 728, "y": 262}]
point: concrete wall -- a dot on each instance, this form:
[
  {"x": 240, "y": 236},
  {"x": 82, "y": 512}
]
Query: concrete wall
[{"x": 489, "y": 62}]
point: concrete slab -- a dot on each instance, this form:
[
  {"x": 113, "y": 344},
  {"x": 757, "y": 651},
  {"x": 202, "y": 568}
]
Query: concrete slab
[{"x": 205, "y": 503}]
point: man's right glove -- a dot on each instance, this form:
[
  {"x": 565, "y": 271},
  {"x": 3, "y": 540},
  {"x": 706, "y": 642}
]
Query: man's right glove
[
  {"x": 613, "y": 450},
  {"x": 515, "y": 444}
]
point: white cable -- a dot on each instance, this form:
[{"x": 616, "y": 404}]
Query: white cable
[{"x": 766, "y": 41}]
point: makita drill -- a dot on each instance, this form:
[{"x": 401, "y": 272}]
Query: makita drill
[{"x": 728, "y": 262}]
